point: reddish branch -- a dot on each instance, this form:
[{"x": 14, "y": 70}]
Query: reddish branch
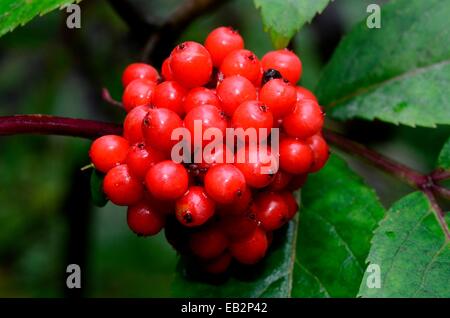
[{"x": 53, "y": 125}]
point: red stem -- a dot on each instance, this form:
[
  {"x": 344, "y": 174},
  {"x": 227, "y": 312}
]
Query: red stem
[{"x": 53, "y": 125}]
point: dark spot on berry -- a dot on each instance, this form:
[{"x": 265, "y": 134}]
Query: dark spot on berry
[
  {"x": 146, "y": 121},
  {"x": 239, "y": 193},
  {"x": 263, "y": 108},
  {"x": 270, "y": 74},
  {"x": 251, "y": 57},
  {"x": 286, "y": 81},
  {"x": 141, "y": 145},
  {"x": 187, "y": 217},
  {"x": 181, "y": 46}
]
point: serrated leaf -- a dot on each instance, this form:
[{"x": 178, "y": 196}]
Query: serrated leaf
[
  {"x": 444, "y": 156},
  {"x": 399, "y": 73},
  {"x": 412, "y": 252},
  {"x": 283, "y": 18},
  {"x": 14, "y": 13},
  {"x": 325, "y": 258},
  {"x": 98, "y": 196},
  {"x": 336, "y": 223}
]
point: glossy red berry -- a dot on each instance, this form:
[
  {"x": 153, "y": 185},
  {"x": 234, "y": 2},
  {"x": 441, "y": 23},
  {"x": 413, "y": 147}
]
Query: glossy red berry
[
  {"x": 305, "y": 121},
  {"x": 224, "y": 183},
  {"x": 320, "y": 151},
  {"x": 284, "y": 61},
  {"x": 219, "y": 264},
  {"x": 296, "y": 156},
  {"x": 233, "y": 91},
  {"x": 157, "y": 128},
  {"x": 108, "y": 151},
  {"x": 270, "y": 210},
  {"x": 121, "y": 187},
  {"x": 238, "y": 228},
  {"x": 253, "y": 114},
  {"x": 291, "y": 203},
  {"x": 221, "y": 41},
  {"x": 170, "y": 94},
  {"x": 167, "y": 180},
  {"x": 208, "y": 243},
  {"x": 132, "y": 125},
  {"x": 239, "y": 206},
  {"x": 279, "y": 96},
  {"x": 280, "y": 181},
  {"x": 257, "y": 165},
  {"x": 139, "y": 71},
  {"x": 166, "y": 71},
  {"x": 209, "y": 116},
  {"x": 242, "y": 62},
  {"x": 138, "y": 93},
  {"x": 303, "y": 93},
  {"x": 200, "y": 96},
  {"x": 191, "y": 64},
  {"x": 144, "y": 220},
  {"x": 195, "y": 207},
  {"x": 141, "y": 158},
  {"x": 250, "y": 250}
]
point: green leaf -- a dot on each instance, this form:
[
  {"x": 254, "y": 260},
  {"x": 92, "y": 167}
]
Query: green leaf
[
  {"x": 336, "y": 225},
  {"x": 18, "y": 12},
  {"x": 98, "y": 196},
  {"x": 412, "y": 252},
  {"x": 326, "y": 257},
  {"x": 444, "y": 157},
  {"x": 399, "y": 73},
  {"x": 283, "y": 18}
]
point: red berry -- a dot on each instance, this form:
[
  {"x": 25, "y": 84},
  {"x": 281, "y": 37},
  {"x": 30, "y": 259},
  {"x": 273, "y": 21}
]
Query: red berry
[
  {"x": 250, "y": 250},
  {"x": 208, "y": 243},
  {"x": 238, "y": 228},
  {"x": 200, "y": 96},
  {"x": 108, "y": 151},
  {"x": 144, "y": 220},
  {"x": 221, "y": 41},
  {"x": 138, "y": 93},
  {"x": 233, "y": 91},
  {"x": 218, "y": 265},
  {"x": 224, "y": 183},
  {"x": 305, "y": 121},
  {"x": 297, "y": 182},
  {"x": 303, "y": 93},
  {"x": 157, "y": 128},
  {"x": 320, "y": 151},
  {"x": 194, "y": 208},
  {"x": 132, "y": 126},
  {"x": 291, "y": 203},
  {"x": 121, "y": 187},
  {"x": 244, "y": 63},
  {"x": 279, "y": 96},
  {"x": 258, "y": 166},
  {"x": 252, "y": 114},
  {"x": 141, "y": 158},
  {"x": 271, "y": 210},
  {"x": 166, "y": 71},
  {"x": 167, "y": 180},
  {"x": 170, "y": 94},
  {"x": 238, "y": 207},
  {"x": 191, "y": 64},
  {"x": 296, "y": 156},
  {"x": 280, "y": 181},
  {"x": 139, "y": 71},
  {"x": 284, "y": 61},
  {"x": 210, "y": 117}
]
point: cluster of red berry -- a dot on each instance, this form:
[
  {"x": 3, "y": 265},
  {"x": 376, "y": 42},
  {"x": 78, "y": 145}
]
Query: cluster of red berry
[{"x": 213, "y": 210}]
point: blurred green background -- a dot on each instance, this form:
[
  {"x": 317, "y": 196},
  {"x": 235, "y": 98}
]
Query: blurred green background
[{"x": 46, "y": 218}]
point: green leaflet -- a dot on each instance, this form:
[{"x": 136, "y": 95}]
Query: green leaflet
[
  {"x": 411, "y": 251},
  {"x": 283, "y": 18},
  {"x": 399, "y": 73}
]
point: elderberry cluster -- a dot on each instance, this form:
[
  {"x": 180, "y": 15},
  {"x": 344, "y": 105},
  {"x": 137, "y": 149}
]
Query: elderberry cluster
[{"x": 214, "y": 210}]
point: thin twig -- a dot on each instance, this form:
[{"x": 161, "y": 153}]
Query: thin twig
[
  {"x": 106, "y": 96},
  {"x": 53, "y": 125},
  {"x": 440, "y": 174}
]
